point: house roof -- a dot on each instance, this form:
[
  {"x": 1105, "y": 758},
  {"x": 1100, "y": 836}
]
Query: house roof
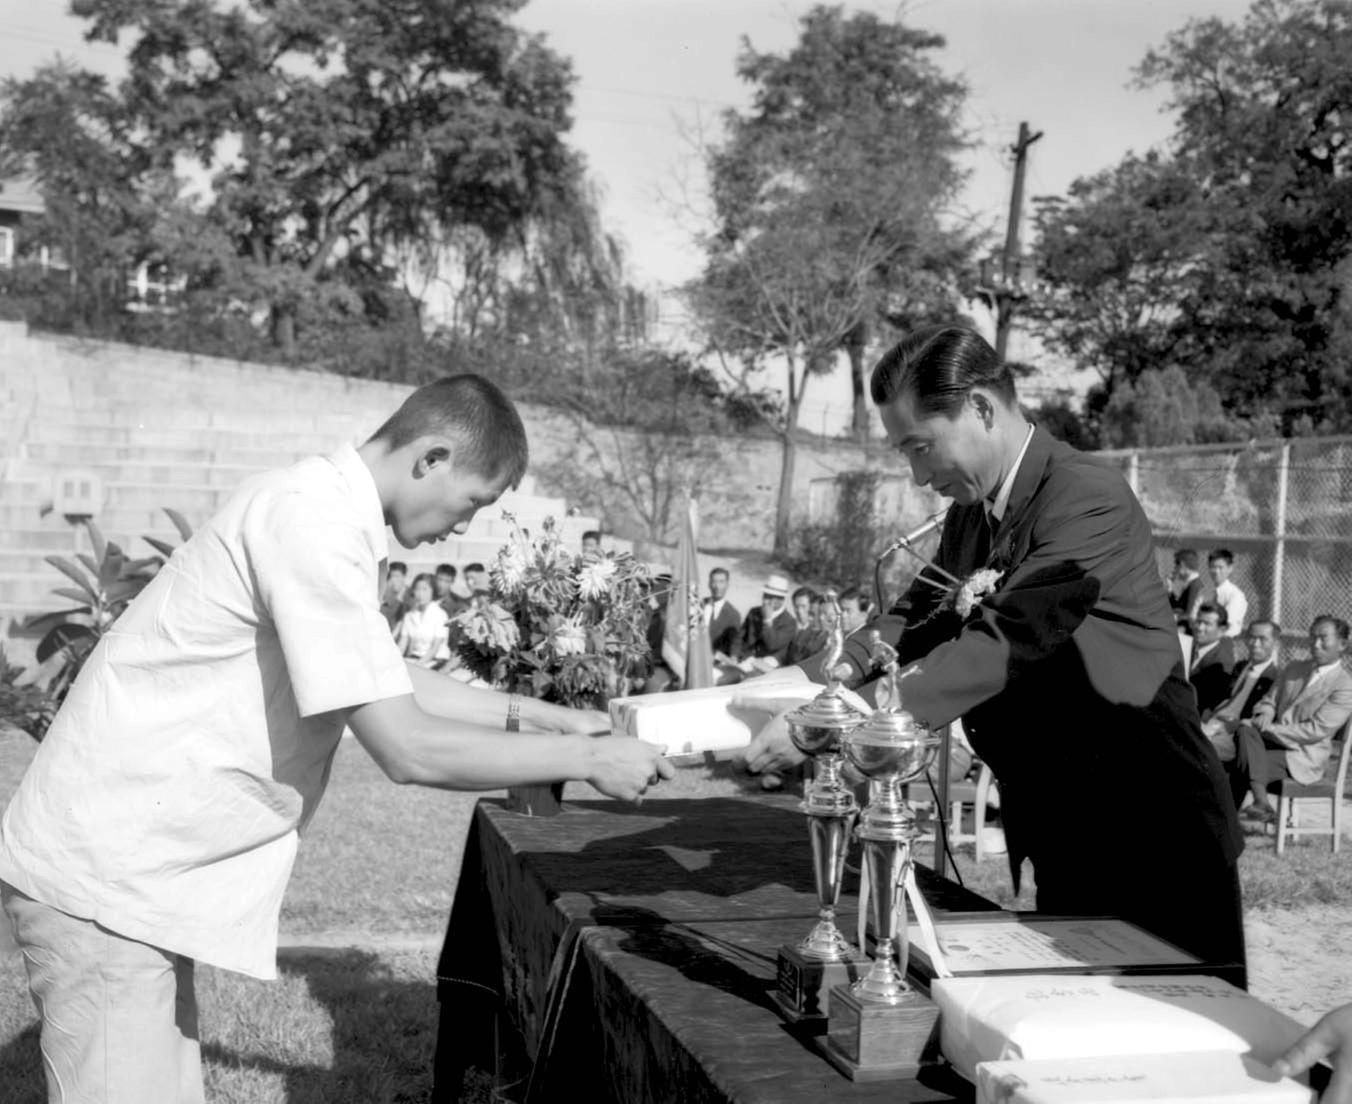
[{"x": 20, "y": 193}]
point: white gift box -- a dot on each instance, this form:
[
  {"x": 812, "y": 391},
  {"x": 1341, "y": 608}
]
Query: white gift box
[
  {"x": 691, "y": 722},
  {"x": 1084, "y": 1016},
  {"x": 1202, "y": 1077}
]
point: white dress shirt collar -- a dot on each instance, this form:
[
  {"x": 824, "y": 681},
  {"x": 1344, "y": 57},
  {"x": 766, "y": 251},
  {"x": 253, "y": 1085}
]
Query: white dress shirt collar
[{"x": 1000, "y": 503}]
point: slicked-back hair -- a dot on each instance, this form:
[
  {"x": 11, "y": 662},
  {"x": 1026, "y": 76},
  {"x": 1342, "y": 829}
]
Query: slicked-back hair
[
  {"x": 938, "y": 366},
  {"x": 480, "y": 420},
  {"x": 1222, "y": 617}
]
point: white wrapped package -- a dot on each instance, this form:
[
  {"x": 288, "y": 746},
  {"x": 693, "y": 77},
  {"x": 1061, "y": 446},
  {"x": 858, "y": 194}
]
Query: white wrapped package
[
  {"x": 691, "y": 722},
  {"x": 1202, "y": 1077},
  {"x": 1082, "y": 1016}
]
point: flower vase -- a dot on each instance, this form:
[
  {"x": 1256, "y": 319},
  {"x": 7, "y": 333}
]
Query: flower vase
[{"x": 539, "y": 801}]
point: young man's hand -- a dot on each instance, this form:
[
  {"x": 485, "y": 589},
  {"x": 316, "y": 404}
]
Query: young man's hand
[
  {"x": 624, "y": 767},
  {"x": 1331, "y": 1037}
]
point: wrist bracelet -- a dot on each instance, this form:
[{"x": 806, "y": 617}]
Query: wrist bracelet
[{"x": 514, "y": 713}]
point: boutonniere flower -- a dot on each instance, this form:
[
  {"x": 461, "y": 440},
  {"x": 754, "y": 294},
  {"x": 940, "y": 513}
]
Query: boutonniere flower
[{"x": 975, "y": 587}]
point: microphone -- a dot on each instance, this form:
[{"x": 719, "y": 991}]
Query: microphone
[{"x": 923, "y": 530}]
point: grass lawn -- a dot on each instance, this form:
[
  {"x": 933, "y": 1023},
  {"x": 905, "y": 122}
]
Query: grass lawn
[{"x": 375, "y": 876}]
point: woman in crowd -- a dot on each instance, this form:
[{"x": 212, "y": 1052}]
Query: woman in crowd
[{"x": 423, "y": 630}]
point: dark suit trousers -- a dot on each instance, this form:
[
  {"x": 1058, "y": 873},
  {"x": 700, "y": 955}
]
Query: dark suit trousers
[{"x": 1258, "y": 762}]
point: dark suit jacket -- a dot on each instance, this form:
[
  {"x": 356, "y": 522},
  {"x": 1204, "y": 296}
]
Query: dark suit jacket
[
  {"x": 1070, "y": 685},
  {"x": 1261, "y": 685},
  {"x": 761, "y": 640},
  {"x": 1211, "y": 675},
  {"x": 725, "y": 630}
]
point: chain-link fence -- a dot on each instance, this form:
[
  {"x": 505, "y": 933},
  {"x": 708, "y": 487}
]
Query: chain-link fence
[{"x": 1284, "y": 508}]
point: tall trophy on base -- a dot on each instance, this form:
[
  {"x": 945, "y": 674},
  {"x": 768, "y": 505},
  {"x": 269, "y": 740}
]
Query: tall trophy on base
[
  {"x": 880, "y": 1027},
  {"x": 810, "y": 969}
]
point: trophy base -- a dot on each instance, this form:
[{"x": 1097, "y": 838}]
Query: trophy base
[
  {"x": 805, "y": 984},
  {"x": 878, "y": 1042}
]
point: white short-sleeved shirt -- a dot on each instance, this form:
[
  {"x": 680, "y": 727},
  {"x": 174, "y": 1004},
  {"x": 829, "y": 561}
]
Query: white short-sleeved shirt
[
  {"x": 1236, "y": 607},
  {"x": 166, "y": 799},
  {"x": 424, "y": 631}
]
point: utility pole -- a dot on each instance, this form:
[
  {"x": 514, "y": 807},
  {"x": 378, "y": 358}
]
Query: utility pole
[{"x": 1004, "y": 289}]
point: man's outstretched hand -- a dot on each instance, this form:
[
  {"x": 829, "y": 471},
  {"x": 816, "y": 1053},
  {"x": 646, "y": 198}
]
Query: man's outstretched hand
[
  {"x": 1331, "y": 1038},
  {"x": 771, "y": 749},
  {"x": 624, "y": 767}
]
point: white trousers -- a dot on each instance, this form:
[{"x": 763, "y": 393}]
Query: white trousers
[{"x": 119, "y": 1018}]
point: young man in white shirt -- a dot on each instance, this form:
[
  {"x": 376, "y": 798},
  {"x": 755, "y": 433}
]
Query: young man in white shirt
[
  {"x": 1220, "y": 563},
  {"x": 158, "y": 822}
]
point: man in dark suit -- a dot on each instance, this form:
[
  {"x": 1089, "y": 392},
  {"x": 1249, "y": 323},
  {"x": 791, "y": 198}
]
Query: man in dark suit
[
  {"x": 769, "y": 629},
  {"x": 1068, "y": 676},
  {"x": 1250, "y": 682},
  {"x": 723, "y": 618},
  {"x": 1213, "y": 657}
]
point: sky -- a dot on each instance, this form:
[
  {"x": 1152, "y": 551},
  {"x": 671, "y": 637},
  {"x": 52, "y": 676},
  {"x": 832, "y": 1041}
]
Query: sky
[{"x": 653, "y": 77}]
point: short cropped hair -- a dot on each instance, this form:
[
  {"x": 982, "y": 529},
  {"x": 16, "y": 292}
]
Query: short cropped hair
[
  {"x": 811, "y": 594},
  {"x": 720, "y": 571},
  {"x": 490, "y": 439},
  {"x": 857, "y": 595},
  {"x": 1222, "y": 618},
  {"x": 1222, "y": 554},
  {"x": 1271, "y": 624},
  {"x": 1339, "y": 625},
  {"x": 1187, "y": 557},
  {"x": 592, "y": 534},
  {"x": 938, "y": 366},
  {"x": 447, "y": 569},
  {"x": 474, "y": 567},
  {"x": 398, "y": 566}
]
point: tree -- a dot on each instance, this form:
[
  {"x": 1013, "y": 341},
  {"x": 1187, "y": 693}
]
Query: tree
[
  {"x": 1162, "y": 407},
  {"x": 828, "y": 198},
  {"x": 1229, "y": 255},
  {"x": 339, "y": 129},
  {"x": 648, "y": 424}
]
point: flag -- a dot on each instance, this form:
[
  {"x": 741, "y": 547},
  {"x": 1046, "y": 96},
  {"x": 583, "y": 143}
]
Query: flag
[{"x": 685, "y": 637}]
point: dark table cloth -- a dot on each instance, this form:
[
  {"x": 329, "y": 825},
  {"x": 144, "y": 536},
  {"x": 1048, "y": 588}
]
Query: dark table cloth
[{"x": 633, "y": 950}]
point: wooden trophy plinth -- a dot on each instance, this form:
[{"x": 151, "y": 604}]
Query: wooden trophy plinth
[
  {"x": 867, "y": 1041},
  {"x": 805, "y": 983}
]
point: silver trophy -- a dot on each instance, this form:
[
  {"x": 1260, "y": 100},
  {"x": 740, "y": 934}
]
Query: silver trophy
[
  {"x": 891, "y": 749},
  {"x": 881, "y": 1027},
  {"x": 816, "y": 730}
]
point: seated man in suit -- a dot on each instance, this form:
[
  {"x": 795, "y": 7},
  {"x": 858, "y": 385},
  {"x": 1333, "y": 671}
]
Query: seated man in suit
[
  {"x": 811, "y": 635},
  {"x": 723, "y": 618},
  {"x": 769, "y": 628},
  {"x": 1292, "y": 729},
  {"x": 1251, "y": 681},
  {"x": 1213, "y": 657}
]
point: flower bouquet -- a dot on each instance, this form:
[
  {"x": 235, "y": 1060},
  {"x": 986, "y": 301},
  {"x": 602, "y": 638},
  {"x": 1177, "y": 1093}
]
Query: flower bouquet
[
  {"x": 556, "y": 626},
  {"x": 559, "y": 627}
]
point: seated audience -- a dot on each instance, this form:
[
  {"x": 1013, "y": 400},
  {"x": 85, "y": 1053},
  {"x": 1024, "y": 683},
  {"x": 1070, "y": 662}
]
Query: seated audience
[
  {"x": 1185, "y": 586},
  {"x": 396, "y": 590},
  {"x": 768, "y": 629},
  {"x": 811, "y": 636},
  {"x": 855, "y": 603},
  {"x": 421, "y": 634},
  {"x": 1213, "y": 657},
  {"x": 447, "y": 598},
  {"x": 1250, "y": 682},
  {"x": 1220, "y": 563},
  {"x": 1291, "y": 732},
  {"x": 476, "y": 579},
  {"x": 723, "y": 618}
]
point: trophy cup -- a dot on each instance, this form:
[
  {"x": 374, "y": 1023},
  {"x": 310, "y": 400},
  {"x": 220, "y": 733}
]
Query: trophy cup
[
  {"x": 880, "y": 1027},
  {"x": 809, "y": 970}
]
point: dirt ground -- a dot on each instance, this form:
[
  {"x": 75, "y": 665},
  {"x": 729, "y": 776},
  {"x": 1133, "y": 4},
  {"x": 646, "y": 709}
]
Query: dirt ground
[{"x": 1300, "y": 960}]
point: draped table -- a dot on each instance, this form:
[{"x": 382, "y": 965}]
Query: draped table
[{"x": 631, "y": 951}]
